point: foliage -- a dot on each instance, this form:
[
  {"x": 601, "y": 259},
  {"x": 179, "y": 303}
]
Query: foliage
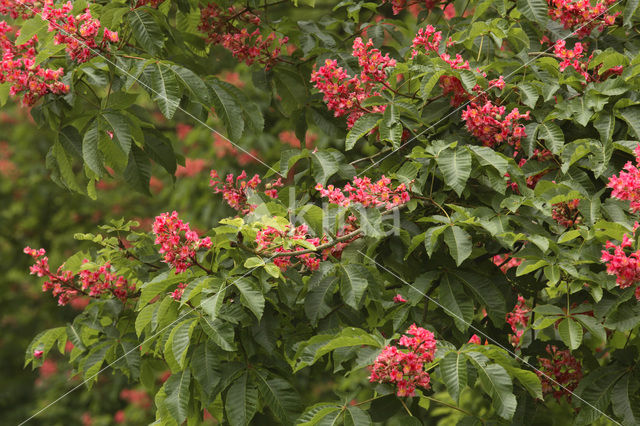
[{"x": 459, "y": 192}]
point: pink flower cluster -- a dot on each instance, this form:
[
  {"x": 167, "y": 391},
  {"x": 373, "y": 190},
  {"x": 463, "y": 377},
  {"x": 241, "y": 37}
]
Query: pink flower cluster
[
  {"x": 23, "y": 9},
  {"x": 430, "y": 39},
  {"x": 575, "y": 58},
  {"x": 582, "y": 14},
  {"x": 276, "y": 241},
  {"x": 450, "y": 84},
  {"x": 344, "y": 94},
  {"x": 102, "y": 281},
  {"x": 475, "y": 339},
  {"x": 626, "y": 186},
  {"x": 235, "y": 192},
  {"x": 19, "y": 68},
  {"x": 563, "y": 368},
  {"x": 486, "y": 123},
  {"x": 192, "y": 167},
  {"x": 222, "y": 27},
  {"x": 566, "y": 213},
  {"x": 367, "y": 193},
  {"x": 405, "y": 368},
  {"x": 67, "y": 286},
  {"x": 179, "y": 250},
  {"x": 506, "y": 262},
  {"x": 80, "y": 34},
  {"x": 178, "y": 292},
  {"x": 625, "y": 267},
  {"x": 518, "y": 319}
]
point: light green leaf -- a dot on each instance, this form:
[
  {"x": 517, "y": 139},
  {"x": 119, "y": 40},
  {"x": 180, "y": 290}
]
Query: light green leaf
[
  {"x": 163, "y": 87},
  {"x": 251, "y": 297},
  {"x": 455, "y": 165},
  {"x": 534, "y": 10},
  {"x": 361, "y": 128},
  {"x": 459, "y": 242},
  {"x": 570, "y": 333}
]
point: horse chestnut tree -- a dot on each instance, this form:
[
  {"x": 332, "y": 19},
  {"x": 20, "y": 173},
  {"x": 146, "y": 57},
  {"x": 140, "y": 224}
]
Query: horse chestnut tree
[{"x": 462, "y": 246}]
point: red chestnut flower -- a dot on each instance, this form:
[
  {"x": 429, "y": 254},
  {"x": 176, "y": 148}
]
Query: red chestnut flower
[
  {"x": 405, "y": 367},
  {"x": 564, "y": 369}
]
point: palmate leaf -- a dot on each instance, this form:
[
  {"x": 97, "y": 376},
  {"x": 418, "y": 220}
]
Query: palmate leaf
[
  {"x": 459, "y": 242},
  {"x": 179, "y": 340},
  {"x": 361, "y": 128},
  {"x": 354, "y": 283},
  {"x": 486, "y": 291},
  {"x": 205, "y": 367},
  {"x": 497, "y": 383},
  {"x": 571, "y": 333},
  {"x": 595, "y": 391},
  {"x": 316, "y": 304},
  {"x": 138, "y": 171},
  {"x": 325, "y": 413},
  {"x": 250, "y": 296},
  {"x": 625, "y": 400},
  {"x": 456, "y": 304}
]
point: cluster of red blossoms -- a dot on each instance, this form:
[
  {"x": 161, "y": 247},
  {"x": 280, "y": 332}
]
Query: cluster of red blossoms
[
  {"x": 80, "y": 34},
  {"x": 178, "y": 292},
  {"x": 23, "y": 9},
  {"x": 19, "y": 68},
  {"x": 367, "y": 193},
  {"x": 566, "y": 214},
  {"x": 67, "y": 286},
  {"x": 625, "y": 267},
  {"x": 518, "y": 319},
  {"x": 430, "y": 39},
  {"x": 405, "y": 368},
  {"x": 179, "y": 251},
  {"x": 626, "y": 186},
  {"x": 286, "y": 241},
  {"x": 582, "y": 14},
  {"x": 236, "y": 192},
  {"x": 344, "y": 94},
  {"x": 575, "y": 58},
  {"x": 222, "y": 27},
  {"x": 506, "y": 262},
  {"x": 563, "y": 368},
  {"x": 486, "y": 123}
]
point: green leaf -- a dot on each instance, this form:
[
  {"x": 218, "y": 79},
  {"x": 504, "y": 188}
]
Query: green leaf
[
  {"x": 146, "y": 30},
  {"x": 629, "y": 11},
  {"x": 593, "y": 326},
  {"x": 487, "y": 292},
  {"x": 354, "y": 283},
  {"x": 250, "y": 296},
  {"x": 179, "y": 340},
  {"x": 131, "y": 357},
  {"x": 163, "y": 87},
  {"x": 323, "y": 413},
  {"x": 632, "y": 116},
  {"x": 227, "y": 109},
  {"x": 552, "y": 135},
  {"x": 90, "y": 153},
  {"x": 281, "y": 398},
  {"x": 459, "y": 242},
  {"x": 361, "y": 128},
  {"x": 534, "y": 10},
  {"x": 220, "y": 332},
  {"x": 192, "y": 82},
  {"x": 530, "y": 265},
  {"x": 455, "y": 165},
  {"x": 457, "y": 304},
  {"x": 595, "y": 392},
  {"x": 529, "y": 94},
  {"x": 316, "y": 304},
  {"x": 570, "y": 333},
  {"x": 625, "y": 399},
  {"x": 325, "y": 165},
  {"x": 453, "y": 370},
  {"x": 313, "y": 349},
  {"x": 488, "y": 157},
  {"x": 31, "y": 27},
  {"x": 241, "y": 402},
  {"x": 177, "y": 389},
  {"x": 253, "y": 262},
  {"x": 205, "y": 367},
  {"x": 138, "y": 171},
  {"x": 159, "y": 149},
  {"x": 65, "y": 167},
  {"x": 121, "y": 128},
  {"x": 356, "y": 416},
  {"x": 496, "y": 382},
  {"x": 144, "y": 318}
]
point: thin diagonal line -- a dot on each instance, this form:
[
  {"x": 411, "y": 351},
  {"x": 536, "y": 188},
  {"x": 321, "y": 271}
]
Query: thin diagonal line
[
  {"x": 495, "y": 342},
  {"x": 146, "y": 86},
  {"x": 476, "y": 96}
]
